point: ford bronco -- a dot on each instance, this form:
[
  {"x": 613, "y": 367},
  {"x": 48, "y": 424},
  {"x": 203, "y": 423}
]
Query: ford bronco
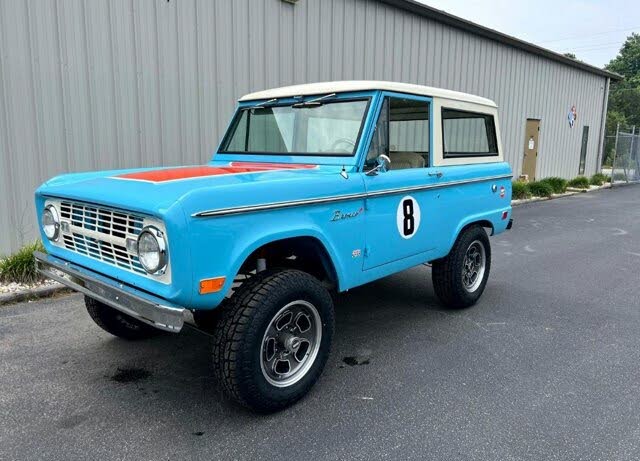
[{"x": 313, "y": 189}]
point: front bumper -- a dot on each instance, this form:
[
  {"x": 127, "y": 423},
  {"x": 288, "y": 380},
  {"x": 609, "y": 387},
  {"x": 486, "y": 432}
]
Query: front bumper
[{"x": 136, "y": 303}]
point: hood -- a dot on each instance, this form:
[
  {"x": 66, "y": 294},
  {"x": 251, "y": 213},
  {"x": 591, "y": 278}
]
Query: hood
[{"x": 217, "y": 184}]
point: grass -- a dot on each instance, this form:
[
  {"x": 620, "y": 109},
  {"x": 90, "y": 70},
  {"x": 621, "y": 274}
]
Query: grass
[
  {"x": 20, "y": 267},
  {"x": 520, "y": 190},
  {"x": 599, "y": 179},
  {"x": 580, "y": 182},
  {"x": 558, "y": 185},
  {"x": 541, "y": 189}
]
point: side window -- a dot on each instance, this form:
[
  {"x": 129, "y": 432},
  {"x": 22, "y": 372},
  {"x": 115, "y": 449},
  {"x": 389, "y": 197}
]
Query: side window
[
  {"x": 402, "y": 132},
  {"x": 468, "y": 134}
]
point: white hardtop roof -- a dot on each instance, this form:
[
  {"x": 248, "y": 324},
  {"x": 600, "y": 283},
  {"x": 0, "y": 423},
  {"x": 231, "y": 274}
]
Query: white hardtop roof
[{"x": 364, "y": 85}]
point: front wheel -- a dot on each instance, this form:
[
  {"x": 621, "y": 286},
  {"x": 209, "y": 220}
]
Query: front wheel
[
  {"x": 460, "y": 278},
  {"x": 273, "y": 339},
  {"x": 118, "y": 323}
]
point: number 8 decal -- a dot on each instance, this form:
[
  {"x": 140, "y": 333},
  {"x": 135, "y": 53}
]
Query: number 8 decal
[{"x": 408, "y": 217}]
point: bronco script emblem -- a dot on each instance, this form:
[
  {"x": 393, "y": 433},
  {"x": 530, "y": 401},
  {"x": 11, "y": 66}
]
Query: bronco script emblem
[{"x": 339, "y": 215}]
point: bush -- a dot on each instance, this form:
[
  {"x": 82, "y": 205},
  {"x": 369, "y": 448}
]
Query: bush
[
  {"x": 558, "y": 185},
  {"x": 619, "y": 177},
  {"x": 520, "y": 190},
  {"x": 580, "y": 182},
  {"x": 541, "y": 189},
  {"x": 599, "y": 179},
  {"x": 20, "y": 267}
]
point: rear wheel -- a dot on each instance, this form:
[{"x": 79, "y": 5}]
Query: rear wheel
[
  {"x": 273, "y": 339},
  {"x": 118, "y": 323},
  {"x": 460, "y": 278}
]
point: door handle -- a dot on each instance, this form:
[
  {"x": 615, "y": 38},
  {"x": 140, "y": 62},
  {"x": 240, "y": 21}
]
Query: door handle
[{"x": 438, "y": 174}]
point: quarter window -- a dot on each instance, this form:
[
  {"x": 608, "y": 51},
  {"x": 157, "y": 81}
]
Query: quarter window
[{"x": 468, "y": 134}]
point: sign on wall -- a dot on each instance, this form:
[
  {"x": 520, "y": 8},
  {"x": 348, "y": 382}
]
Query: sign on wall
[{"x": 572, "y": 116}]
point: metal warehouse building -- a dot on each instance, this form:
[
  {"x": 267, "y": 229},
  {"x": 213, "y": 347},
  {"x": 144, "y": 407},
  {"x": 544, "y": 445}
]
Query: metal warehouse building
[{"x": 88, "y": 85}]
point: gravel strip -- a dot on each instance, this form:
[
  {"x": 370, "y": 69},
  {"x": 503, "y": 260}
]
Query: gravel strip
[
  {"x": 12, "y": 287},
  {"x": 11, "y": 293}
]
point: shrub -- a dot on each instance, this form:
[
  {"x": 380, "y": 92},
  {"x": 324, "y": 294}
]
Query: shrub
[
  {"x": 558, "y": 185},
  {"x": 580, "y": 182},
  {"x": 520, "y": 190},
  {"x": 599, "y": 179},
  {"x": 541, "y": 189},
  {"x": 20, "y": 267},
  {"x": 619, "y": 177}
]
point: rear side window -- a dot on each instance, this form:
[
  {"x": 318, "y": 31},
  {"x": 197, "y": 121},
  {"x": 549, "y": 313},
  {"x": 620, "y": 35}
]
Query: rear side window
[{"x": 468, "y": 134}]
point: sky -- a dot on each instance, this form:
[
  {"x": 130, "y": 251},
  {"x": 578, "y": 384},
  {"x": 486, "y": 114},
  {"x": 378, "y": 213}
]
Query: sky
[{"x": 593, "y": 30}]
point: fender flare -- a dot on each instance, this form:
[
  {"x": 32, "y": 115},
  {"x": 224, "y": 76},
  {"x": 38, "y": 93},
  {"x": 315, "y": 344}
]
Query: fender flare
[
  {"x": 483, "y": 219},
  {"x": 271, "y": 237}
]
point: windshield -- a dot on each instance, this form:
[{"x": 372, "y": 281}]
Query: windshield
[{"x": 327, "y": 128}]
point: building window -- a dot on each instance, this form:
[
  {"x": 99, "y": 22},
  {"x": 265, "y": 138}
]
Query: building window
[
  {"x": 583, "y": 150},
  {"x": 468, "y": 134}
]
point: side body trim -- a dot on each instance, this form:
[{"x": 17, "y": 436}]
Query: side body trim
[{"x": 340, "y": 198}]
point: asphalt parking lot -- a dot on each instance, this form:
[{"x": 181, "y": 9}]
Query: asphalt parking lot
[{"x": 546, "y": 366}]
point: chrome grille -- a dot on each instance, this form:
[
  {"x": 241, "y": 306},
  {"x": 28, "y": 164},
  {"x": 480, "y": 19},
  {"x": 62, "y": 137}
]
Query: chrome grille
[
  {"x": 102, "y": 233},
  {"x": 103, "y": 220},
  {"x": 104, "y": 251}
]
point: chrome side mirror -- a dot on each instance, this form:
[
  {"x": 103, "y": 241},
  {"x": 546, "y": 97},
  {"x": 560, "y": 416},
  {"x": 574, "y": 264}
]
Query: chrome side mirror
[{"x": 383, "y": 162}]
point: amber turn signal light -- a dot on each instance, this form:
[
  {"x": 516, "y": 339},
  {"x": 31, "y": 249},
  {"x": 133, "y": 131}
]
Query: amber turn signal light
[{"x": 211, "y": 285}]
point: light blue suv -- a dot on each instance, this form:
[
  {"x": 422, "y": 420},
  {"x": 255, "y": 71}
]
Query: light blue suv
[{"x": 314, "y": 189}]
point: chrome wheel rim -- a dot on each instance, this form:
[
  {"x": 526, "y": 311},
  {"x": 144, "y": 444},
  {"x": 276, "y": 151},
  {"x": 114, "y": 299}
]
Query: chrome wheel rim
[
  {"x": 473, "y": 266},
  {"x": 290, "y": 343}
]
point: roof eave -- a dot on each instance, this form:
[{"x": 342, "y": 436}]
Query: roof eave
[{"x": 471, "y": 27}]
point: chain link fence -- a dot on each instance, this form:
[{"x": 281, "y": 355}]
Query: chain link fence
[{"x": 621, "y": 158}]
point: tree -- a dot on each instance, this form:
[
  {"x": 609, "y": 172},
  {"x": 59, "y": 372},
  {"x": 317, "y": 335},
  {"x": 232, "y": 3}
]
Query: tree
[
  {"x": 570, "y": 55},
  {"x": 624, "y": 97}
]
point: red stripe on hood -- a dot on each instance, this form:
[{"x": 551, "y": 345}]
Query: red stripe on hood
[{"x": 173, "y": 174}]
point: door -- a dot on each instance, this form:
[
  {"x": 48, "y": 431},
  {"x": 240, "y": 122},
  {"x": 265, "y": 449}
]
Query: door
[
  {"x": 399, "y": 218},
  {"x": 532, "y": 134}
]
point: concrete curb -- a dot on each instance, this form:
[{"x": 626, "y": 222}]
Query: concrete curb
[{"x": 36, "y": 293}]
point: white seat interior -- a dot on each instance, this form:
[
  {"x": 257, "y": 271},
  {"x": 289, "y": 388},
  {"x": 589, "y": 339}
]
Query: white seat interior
[{"x": 403, "y": 160}]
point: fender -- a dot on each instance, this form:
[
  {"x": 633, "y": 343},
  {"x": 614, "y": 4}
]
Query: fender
[
  {"x": 491, "y": 219},
  {"x": 311, "y": 232}
]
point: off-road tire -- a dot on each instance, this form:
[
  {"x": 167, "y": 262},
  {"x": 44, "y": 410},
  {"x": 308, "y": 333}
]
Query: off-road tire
[
  {"x": 239, "y": 334},
  {"x": 447, "y": 272},
  {"x": 118, "y": 323}
]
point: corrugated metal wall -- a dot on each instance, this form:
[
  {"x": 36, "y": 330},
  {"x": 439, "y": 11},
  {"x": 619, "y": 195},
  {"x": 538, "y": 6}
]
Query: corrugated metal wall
[{"x": 119, "y": 83}]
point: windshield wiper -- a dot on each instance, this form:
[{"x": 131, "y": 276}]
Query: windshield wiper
[
  {"x": 313, "y": 102},
  {"x": 262, "y": 105}
]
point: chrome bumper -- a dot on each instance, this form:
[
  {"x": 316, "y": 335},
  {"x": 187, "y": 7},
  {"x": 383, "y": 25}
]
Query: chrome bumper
[{"x": 138, "y": 304}]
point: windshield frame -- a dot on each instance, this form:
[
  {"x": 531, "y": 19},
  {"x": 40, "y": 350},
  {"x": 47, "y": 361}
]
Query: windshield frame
[{"x": 289, "y": 101}]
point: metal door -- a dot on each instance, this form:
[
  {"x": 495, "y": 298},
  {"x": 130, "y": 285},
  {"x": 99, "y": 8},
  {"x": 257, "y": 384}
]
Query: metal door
[
  {"x": 532, "y": 134},
  {"x": 399, "y": 208}
]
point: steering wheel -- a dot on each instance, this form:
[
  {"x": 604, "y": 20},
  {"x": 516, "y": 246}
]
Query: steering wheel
[{"x": 337, "y": 142}]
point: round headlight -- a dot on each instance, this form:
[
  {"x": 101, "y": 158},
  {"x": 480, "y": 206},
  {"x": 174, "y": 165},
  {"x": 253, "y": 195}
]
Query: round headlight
[
  {"x": 51, "y": 222},
  {"x": 152, "y": 250}
]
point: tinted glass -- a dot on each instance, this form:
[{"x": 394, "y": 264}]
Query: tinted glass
[{"x": 468, "y": 134}]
